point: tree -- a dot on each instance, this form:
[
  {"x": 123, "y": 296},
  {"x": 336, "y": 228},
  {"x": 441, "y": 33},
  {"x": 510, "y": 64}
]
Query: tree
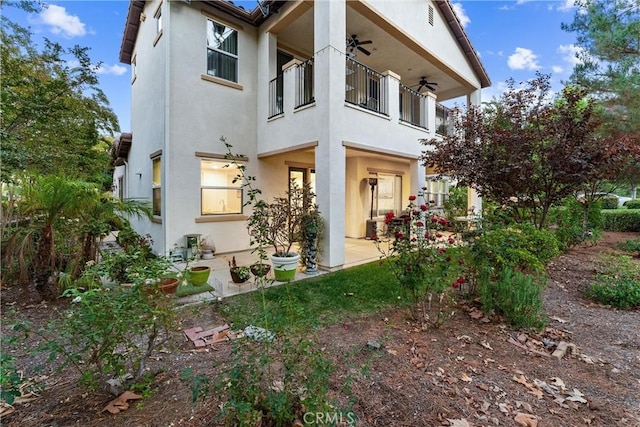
[
  {"x": 53, "y": 113},
  {"x": 608, "y": 35},
  {"x": 525, "y": 148}
]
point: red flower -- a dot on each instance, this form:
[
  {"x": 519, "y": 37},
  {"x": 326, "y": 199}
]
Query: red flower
[
  {"x": 407, "y": 218},
  {"x": 423, "y": 208},
  {"x": 442, "y": 221},
  {"x": 399, "y": 235},
  {"x": 388, "y": 217},
  {"x": 416, "y": 213},
  {"x": 412, "y": 197},
  {"x": 434, "y": 219},
  {"x": 455, "y": 285},
  {"x": 420, "y": 224},
  {"x": 451, "y": 240},
  {"x": 438, "y": 235},
  {"x": 461, "y": 280}
]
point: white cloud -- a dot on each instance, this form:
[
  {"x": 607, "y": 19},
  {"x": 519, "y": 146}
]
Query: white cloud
[
  {"x": 523, "y": 59},
  {"x": 557, "y": 69},
  {"x": 60, "y": 22},
  {"x": 566, "y": 6},
  {"x": 570, "y": 53},
  {"x": 115, "y": 69},
  {"x": 461, "y": 14}
]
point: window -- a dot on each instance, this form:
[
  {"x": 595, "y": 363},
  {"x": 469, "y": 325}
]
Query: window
[
  {"x": 156, "y": 186},
  {"x": 222, "y": 51},
  {"x": 220, "y": 195}
]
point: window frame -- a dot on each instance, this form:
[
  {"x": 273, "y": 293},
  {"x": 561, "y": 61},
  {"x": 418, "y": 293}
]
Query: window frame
[{"x": 218, "y": 51}]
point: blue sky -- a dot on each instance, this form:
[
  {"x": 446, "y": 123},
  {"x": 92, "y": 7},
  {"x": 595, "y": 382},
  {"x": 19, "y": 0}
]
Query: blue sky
[{"x": 514, "y": 39}]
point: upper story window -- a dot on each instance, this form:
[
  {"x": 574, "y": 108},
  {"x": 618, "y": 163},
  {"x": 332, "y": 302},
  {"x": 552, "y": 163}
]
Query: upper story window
[
  {"x": 220, "y": 195},
  {"x": 222, "y": 51}
]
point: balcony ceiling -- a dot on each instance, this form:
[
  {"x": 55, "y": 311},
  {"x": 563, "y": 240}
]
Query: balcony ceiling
[{"x": 387, "y": 52}]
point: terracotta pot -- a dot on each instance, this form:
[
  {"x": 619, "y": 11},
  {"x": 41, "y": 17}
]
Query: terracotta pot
[{"x": 168, "y": 285}]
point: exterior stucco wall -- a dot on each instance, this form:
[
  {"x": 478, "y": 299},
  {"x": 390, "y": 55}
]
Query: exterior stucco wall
[{"x": 438, "y": 39}]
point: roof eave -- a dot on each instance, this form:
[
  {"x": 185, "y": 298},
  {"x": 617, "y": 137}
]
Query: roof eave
[{"x": 463, "y": 40}]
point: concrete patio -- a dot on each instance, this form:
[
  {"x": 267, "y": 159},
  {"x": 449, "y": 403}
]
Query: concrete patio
[{"x": 357, "y": 251}]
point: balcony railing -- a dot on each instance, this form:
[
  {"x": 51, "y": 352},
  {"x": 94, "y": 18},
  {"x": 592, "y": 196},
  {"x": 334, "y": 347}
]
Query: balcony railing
[
  {"x": 304, "y": 83},
  {"x": 444, "y": 120},
  {"x": 276, "y": 94},
  {"x": 365, "y": 87},
  {"x": 413, "y": 107}
]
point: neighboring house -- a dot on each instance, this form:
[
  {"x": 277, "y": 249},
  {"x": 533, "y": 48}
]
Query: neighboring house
[{"x": 327, "y": 92}]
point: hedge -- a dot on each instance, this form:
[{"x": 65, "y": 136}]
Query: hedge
[
  {"x": 609, "y": 202},
  {"x": 621, "y": 220},
  {"x": 632, "y": 204}
]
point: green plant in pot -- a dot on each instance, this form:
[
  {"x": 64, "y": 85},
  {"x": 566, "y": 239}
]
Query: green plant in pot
[{"x": 239, "y": 274}]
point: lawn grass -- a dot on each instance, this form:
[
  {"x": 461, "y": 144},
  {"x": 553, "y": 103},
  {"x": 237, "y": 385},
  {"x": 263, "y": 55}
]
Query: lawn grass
[{"x": 317, "y": 301}]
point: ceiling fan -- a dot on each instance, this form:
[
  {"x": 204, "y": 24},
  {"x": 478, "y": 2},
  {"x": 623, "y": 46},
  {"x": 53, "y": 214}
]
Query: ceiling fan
[
  {"x": 426, "y": 83},
  {"x": 353, "y": 43}
]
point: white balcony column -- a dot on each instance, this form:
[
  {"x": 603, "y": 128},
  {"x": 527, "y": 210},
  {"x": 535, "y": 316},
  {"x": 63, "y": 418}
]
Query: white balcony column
[
  {"x": 267, "y": 60},
  {"x": 330, "y": 161},
  {"x": 417, "y": 175},
  {"x": 431, "y": 112},
  {"x": 393, "y": 95},
  {"x": 289, "y": 85}
]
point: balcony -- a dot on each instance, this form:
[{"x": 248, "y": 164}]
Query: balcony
[
  {"x": 365, "y": 87},
  {"x": 413, "y": 107}
]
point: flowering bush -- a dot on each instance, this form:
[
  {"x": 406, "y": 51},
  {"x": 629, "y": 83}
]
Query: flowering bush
[{"x": 419, "y": 253}]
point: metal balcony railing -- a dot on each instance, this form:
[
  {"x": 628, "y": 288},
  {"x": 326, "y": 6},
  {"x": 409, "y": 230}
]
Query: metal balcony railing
[
  {"x": 413, "y": 107},
  {"x": 304, "y": 83},
  {"x": 444, "y": 120},
  {"x": 276, "y": 96},
  {"x": 365, "y": 87}
]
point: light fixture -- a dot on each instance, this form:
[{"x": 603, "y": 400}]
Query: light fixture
[{"x": 372, "y": 182}]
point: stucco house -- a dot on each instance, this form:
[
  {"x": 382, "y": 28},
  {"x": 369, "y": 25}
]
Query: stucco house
[{"x": 330, "y": 92}]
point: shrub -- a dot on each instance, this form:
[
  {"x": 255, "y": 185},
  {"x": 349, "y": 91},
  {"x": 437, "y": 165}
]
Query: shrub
[
  {"x": 573, "y": 223},
  {"x": 107, "y": 332},
  {"x": 632, "y": 204},
  {"x": 630, "y": 246},
  {"x": 621, "y": 293},
  {"x": 609, "y": 202},
  {"x": 624, "y": 220},
  {"x": 515, "y": 295},
  {"x": 618, "y": 283},
  {"x": 521, "y": 247}
]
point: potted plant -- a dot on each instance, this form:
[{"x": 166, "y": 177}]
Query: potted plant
[
  {"x": 278, "y": 224},
  {"x": 238, "y": 274},
  {"x": 199, "y": 275},
  {"x": 260, "y": 269}
]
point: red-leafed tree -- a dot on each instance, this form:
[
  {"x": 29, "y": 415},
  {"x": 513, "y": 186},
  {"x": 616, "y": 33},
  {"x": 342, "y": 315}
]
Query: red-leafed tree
[{"x": 529, "y": 147}]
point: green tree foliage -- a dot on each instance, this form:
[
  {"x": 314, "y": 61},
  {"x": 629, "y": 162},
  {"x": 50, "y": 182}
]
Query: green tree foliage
[
  {"x": 524, "y": 148},
  {"x": 53, "y": 110},
  {"x": 608, "y": 35}
]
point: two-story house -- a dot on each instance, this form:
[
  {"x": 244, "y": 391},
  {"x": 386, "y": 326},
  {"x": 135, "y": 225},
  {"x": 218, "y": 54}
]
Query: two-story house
[{"x": 330, "y": 92}]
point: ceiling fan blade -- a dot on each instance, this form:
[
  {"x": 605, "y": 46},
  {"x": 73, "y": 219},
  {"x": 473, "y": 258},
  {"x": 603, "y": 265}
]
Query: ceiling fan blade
[
  {"x": 363, "y": 50},
  {"x": 365, "y": 42},
  {"x": 431, "y": 88}
]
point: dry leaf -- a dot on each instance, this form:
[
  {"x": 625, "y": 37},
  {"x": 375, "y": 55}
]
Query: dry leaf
[
  {"x": 525, "y": 405},
  {"x": 486, "y": 345},
  {"x": 557, "y": 382},
  {"x": 504, "y": 408},
  {"x": 394, "y": 352},
  {"x": 120, "y": 403},
  {"x": 526, "y": 420},
  {"x": 520, "y": 379},
  {"x": 576, "y": 396},
  {"x": 458, "y": 423},
  {"x": 557, "y": 319},
  {"x": 466, "y": 378}
]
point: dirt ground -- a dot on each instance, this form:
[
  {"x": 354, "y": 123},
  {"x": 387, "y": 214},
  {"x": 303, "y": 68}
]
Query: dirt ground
[{"x": 471, "y": 372}]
